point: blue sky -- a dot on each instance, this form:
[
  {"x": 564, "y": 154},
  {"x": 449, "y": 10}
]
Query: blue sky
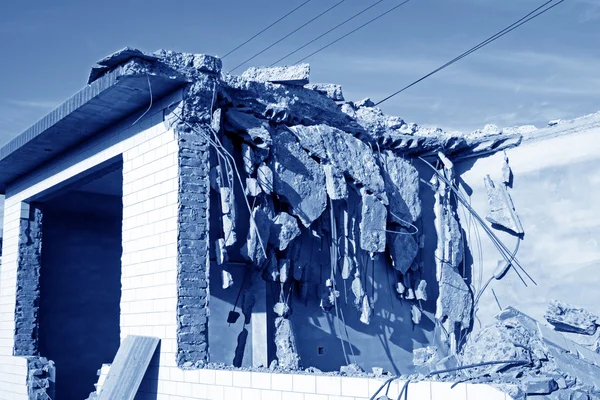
[{"x": 547, "y": 69}]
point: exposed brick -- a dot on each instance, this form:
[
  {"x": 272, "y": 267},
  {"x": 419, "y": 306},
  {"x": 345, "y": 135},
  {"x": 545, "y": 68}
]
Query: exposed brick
[{"x": 28, "y": 284}]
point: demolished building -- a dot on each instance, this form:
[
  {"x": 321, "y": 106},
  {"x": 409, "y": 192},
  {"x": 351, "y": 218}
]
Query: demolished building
[{"x": 263, "y": 230}]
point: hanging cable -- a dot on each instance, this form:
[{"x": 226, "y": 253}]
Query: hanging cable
[
  {"x": 352, "y": 31},
  {"x": 289, "y": 34},
  {"x": 498, "y": 35},
  {"x": 268, "y": 27},
  {"x": 328, "y": 32}
]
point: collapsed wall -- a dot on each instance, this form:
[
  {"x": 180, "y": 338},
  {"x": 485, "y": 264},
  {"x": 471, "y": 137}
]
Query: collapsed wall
[{"x": 310, "y": 193}]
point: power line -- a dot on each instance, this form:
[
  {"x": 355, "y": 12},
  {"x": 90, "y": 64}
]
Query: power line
[
  {"x": 329, "y": 31},
  {"x": 498, "y": 35},
  {"x": 268, "y": 27},
  {"x": 352, "y": 31},
  {"x": 289, "y": 34}
]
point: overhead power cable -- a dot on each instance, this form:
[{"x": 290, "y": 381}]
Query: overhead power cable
[
  {"x": 290, "y": 34},
  {"x": 532, "y": 15},
  {"x": 268, "y": 27},
  {"x": 328, "y": 32},
  {"x": 352, "y": 31}
]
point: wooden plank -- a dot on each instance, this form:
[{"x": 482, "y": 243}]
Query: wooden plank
[{"x": 128, "y": 367}]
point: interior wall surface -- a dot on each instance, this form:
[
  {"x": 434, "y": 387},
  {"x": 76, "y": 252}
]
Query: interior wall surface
[
  {"x": 80, "y": 288},
  {"x": 555, "y": 191}
]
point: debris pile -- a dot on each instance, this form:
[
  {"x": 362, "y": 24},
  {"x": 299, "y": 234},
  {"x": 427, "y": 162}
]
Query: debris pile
[{"x": 522, "y": 357}]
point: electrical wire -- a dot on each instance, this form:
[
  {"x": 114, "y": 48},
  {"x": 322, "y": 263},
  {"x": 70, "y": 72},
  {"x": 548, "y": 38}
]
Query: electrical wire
[
  {"x": 326, "y": 33},
  {"x": 289, "y": 34},
  {"x": 268, "y": 27},
  {"x": 352, "y": 31},
  {"x": 498, "y": 35}
]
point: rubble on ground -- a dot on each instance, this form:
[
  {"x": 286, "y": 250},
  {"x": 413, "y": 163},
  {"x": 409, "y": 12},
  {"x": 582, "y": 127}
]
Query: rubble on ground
[{"x": 567, "y": 318}]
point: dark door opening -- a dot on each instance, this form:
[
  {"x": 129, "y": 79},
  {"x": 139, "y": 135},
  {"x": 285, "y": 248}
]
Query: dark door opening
[{"x": 80, "y": 282}]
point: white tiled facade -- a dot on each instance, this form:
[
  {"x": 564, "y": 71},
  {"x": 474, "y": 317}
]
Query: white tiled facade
[{"x": 149, "y": 278}]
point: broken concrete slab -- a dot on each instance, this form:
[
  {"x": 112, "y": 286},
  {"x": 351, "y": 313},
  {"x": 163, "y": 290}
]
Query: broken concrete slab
[
  {"x": 403, "y": 249},
  {"x": 290, "y": 75},
  {"x": 402, "y": 187},
  {"x": 565, "y": 317},
  {"x": 284, "y": 230},
  {"x": 372, "y": 224},
  {"x": 334, "y": 92},
  {"x": 298, "y": 178},
  {"x": 350, "y": 155},
  {"x": 454, "y": 302},
  {"x": 256, "y": 131},
  {"x": 539, "y": 385},
  {"x": 502, "y": 210},
  {"x": 335, "y": 183}
]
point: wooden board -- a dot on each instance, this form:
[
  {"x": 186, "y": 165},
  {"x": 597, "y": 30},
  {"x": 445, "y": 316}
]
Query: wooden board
[{"x": 128, "y": 368}]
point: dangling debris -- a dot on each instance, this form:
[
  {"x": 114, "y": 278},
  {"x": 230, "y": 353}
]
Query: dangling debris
[
  {"x": 258, "y": 236},
  {"x": 400, "y": 288},
  {"x": 284, "y": 230},
  {"x": 284, "y": 270},
  {"x": 365, "y": 316},
  {"x": 286, "y": 351},
  {"x": 403, "y": 250},
  {"x": 337, "y": 189},
  {"x": 298, "y": 178},
  {"x": 506, "y": 171},
  {"x": 221, "y": 251},
  {"x": 264, "y": 176},
  {"x": 357, "y": 290},
  {"x": 502, "y": 211},
  {"x": 227, "y": 279},
  {"x": 415, "y": 314},
  {"x": 281, "y": 309},
  {"x": 372, "y": 224},
  {"x": 421, "y": 291}
]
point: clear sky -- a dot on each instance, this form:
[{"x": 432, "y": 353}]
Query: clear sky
[{"x": 547, "y": 69}]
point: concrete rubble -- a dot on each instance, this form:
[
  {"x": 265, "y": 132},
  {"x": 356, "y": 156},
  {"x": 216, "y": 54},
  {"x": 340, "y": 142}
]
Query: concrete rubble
[
  {"x": 317, "y": 173},
  {"x": 567, "y": 318}
]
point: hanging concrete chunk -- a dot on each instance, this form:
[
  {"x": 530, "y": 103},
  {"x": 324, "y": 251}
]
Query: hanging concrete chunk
[
  {"x": 284, "y": 270},
  {"x": 372, "y": 224},
  {"x": 350, "y": 155},
  {"x": 415, "y": 314},
  {"x": 502, "y": 211},
  {"x": 357, "y": 289},
  {"x": 454, "y": 301},
  {"x": 403, "y": 250},
  {"x": 567, "y": 318},
  {"x": 285, "y": 343},
  {"x": 248, "y": 159},
  {"x": 258, "y": 236},
  {"x": 290, "y": 75},
  {"x": 252, "y": 187},
  {"x": 402, "y": 187},
  {"x": 227, "y": 279},
  {"x": 365, "y": 316},
  {"x": 334, "y": 92},
  {"x": 421, "y": 291},
  {"x": 336, "y": 186},
  {"x": 221, "y": 251},
  {"x": 298, "y": 178},
  {"x": 284, "y": 230},
  {"x": 229, "y": 230},
  {"x": 256, "y": 130},
  {"x": 226, "y": 201},
  {"x": 264, "y": 176},
  {"x": 506, "y": 171}
]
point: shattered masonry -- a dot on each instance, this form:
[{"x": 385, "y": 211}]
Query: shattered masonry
[{"x": 311, "y": 166}]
